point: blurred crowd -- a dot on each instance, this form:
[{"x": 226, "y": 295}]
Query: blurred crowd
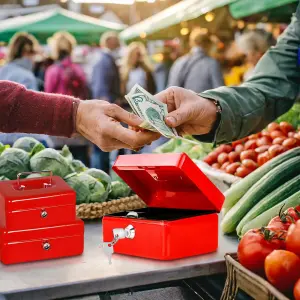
[{"x": 113, "y": 69}]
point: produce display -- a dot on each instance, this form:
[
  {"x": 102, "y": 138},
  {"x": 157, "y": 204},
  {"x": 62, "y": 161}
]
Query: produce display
[
  {"x": 274, "y": 251},
  {"x": 292, "y": 116},
  {"x": 275, "y": 183},
  {"x": 244, "y": 156},
  {"x": 195, "y": 149},
  {"x": 91, "y": 185}
]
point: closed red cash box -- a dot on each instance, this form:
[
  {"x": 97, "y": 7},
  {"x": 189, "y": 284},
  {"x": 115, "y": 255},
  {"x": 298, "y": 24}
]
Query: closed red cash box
[
  {"x": 38, "y": 220},
  {"x": 181, "y": 219}
]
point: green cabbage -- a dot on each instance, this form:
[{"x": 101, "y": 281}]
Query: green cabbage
[
  {"x": 37, "y": 175},
  {"x": 78, "y": 166},
  {"x": 87, "y": 188},
  {"x": 13, "y": 161},
  {"x": 26, "y": 143},
  {"x": 99, "y": 175},
  {"x": 119, "y": 189},
  {"x": 66, "y": 153},
  {"x": 50, "y": 160}
]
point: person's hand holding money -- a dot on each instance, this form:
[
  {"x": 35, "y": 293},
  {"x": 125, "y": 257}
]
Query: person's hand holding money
[
  {"x": 99, "y": 121},
  {"x": 189, "y": 113}
]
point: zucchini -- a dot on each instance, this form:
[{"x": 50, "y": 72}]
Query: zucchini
[
  {"x": 265, "y": 217},
  {"x": 237, "y": 191},
  {"x": 282, "y": 192},
  {"x": 276, "y": 177}
]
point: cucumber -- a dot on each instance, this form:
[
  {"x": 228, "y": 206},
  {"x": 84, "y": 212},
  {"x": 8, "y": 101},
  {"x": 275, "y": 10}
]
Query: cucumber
[
  {"x": 265, "y": 217},
  {"x": 275, "y": 178},
  {"x": 282, "y": 192},
  {"x": 237, "y": 191}
]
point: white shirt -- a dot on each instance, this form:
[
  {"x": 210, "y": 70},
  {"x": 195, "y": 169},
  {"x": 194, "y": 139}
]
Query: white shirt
[{"x": 138, "y": 76}]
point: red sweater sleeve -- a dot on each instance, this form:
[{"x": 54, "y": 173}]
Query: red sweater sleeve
[{"x": 27, "y": 111}]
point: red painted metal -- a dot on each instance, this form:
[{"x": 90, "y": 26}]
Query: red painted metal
[{"x": 181, "y": 219}]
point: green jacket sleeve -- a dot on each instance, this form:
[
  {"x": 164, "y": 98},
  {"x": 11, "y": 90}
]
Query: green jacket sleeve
[{"x": 269, "y": 93}]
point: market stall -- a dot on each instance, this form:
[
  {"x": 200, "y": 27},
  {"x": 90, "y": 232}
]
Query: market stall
[{"x": 44, "y": 24}]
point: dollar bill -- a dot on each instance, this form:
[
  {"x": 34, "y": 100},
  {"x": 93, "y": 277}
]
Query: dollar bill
[{"x": 150, "y": 110}]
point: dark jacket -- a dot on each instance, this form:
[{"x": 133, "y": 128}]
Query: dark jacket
[{"x": 105, "y": 83}]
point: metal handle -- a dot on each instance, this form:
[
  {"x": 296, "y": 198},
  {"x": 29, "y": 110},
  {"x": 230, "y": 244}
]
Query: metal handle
[
  {"x": 46, "y": 246},
  {"x": 44, "y": 214},
  {"x": 22, "y": 187}
]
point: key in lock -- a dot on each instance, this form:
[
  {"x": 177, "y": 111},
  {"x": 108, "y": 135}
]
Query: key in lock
[{"x": 119, "y": 234}]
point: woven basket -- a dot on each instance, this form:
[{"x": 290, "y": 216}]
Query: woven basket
[
  {"x": 238, "y": 277},
  {"x": 97, "y": 210}
]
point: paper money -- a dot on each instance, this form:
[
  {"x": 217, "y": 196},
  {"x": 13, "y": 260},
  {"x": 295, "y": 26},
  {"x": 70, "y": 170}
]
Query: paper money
[{"x": 152, "y": 112}]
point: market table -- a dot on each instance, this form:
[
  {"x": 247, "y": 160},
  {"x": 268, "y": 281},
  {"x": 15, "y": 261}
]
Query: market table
[{"x": 91, "y": 273}]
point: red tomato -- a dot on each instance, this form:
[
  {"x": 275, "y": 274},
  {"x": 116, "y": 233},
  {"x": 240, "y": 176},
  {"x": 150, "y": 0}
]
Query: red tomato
[
  {"x": 297, "y": 136},
  {"x": 275, "y": 150},
  {"x": 286, "y": 127},
  {"x": 255, "y": 246},
  {"x": 239, "y": 148},
  {"x": 254, "y": 136},
  {"x": 278, "y": 141},
  {"x": 263, "y": 158},
  {"x": 265, "y": 133},
  {"x": 216, "y": 165},
  {"x": 293, "y": 238},
  {"x": 294, "y": 213},
  {"x": 248, "y": 154},
  {"x": 264, "y": 141},
  {"x": 250, "y": 164},
  {"x": 262, "y": 149},
  {"x": 239, "y": 142},
  {"x": 276, "y": 133},
  {"x": 282, "y": 221},
  {"x": 233, "y": 157},
  {"x": 282, "y": 269},
  {"x": 242, "y": 172},
  {"x": 225, "y": 165},
  {"x": 251, "y": 144},
  {"x": 291, "y": 134},
  {"x": 290, "y": 143},
  {"x": 231, "y": 169},
  {"x": 211, "y": 158},
  {"x": 222, "y": 158},
  {"x": 273, "y": 126},
  {"x": 297, "y": 290}
]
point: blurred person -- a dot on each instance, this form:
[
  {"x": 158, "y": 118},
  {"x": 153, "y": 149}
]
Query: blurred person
[
  {"x": 137, "y": 69},
  {"x": 196, "y": 70},
  {"x": 28, "y": 111},
  {"x": 22, "y": 49},
  {"x": 65, "y": 77},
  {"x": 253, "y": 45},
  {"x": 162, "y": 69},
  {"x": 106, "y": 85}
]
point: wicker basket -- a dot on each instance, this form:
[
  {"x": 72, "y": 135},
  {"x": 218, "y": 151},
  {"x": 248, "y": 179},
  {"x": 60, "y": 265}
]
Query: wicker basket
[
  {"x": 97, "y": 210},
  {"x": 255, "y": 286}
]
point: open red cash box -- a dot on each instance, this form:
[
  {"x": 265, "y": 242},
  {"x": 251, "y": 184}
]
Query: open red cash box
[
  {"x": 38, "y": 220},
  {"x": 181, "y": 219}
]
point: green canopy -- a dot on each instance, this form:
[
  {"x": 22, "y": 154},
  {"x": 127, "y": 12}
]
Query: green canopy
[
  {"x": 246, "y": 8},
  {"x": 159, "y": 25},
  {"x": 42, "y": 25}
]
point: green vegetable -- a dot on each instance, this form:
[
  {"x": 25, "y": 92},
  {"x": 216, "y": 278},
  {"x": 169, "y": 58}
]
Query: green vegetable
[
  {"x": 167, "y": 147},
  {"x": 13, "y": 161},
  {"x": 87, "y": 188},
  {"x": 278, "y": 195},
  {"x": 26, "y": 143},
  {"x": 66, "y": 153},
  {"x": 292, "y": 116},
  {"x": 264, "y": 218},
  {"x": 184, "y": 147},
  {"x": 237, "y": 191},
  {"x": 50, "y": 160},
  {"x": 99, "y": 175},
  {"x": 3, "y": 147},
  {"x": 36, "y": 175},
  {"x": 119, "y": 190},
  {"x": 78, "y": 166},
  {"x": 37, "y": 148},
  {"x": 3, "y": 178},
  {"x": 258, "y": 191}
]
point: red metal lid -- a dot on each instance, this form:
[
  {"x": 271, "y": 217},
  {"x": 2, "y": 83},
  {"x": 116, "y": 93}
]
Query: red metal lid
[{"x": 169, "y": 181}]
